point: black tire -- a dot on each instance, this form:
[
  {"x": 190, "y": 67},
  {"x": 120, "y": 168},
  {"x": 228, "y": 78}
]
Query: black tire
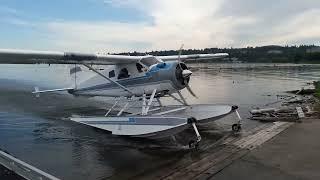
[
  {"x": 236, "y": 127},
  {"x": 191, "y": 144},
  {"x": 196, "y": 146}
]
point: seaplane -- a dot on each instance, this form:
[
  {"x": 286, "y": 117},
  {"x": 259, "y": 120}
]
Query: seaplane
[{"x": 145, "y": 78}]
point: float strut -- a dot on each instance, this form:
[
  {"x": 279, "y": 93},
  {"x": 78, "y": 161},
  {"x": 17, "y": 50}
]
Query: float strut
[
  {"x": 114, "y": 105},
  {"x": 197, "y": 132},
  {"x": 236, "y": 127},
  {"x": 124, "y": 107},
  {"x": 239, "y": 117},
  {"x": 192, "y": 143},
  {"x": 144, "y": 104},
  {"x": 150, "y": 102}
]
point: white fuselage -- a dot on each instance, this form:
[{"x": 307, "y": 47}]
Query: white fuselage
[{"x": 137, "y": 80}]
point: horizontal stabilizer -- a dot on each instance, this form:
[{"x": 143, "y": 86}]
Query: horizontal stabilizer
[{"x": 37, "y": 91}]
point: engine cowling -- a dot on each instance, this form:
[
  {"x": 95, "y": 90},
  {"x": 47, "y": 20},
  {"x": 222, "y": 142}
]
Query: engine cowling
[{"x": 182, "y": 74}]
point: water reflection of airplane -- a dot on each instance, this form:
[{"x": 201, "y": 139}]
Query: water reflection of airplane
[{"x": 146, "y": 78}]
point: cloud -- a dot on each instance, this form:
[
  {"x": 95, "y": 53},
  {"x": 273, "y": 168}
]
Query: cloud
[
  {"x": 278, "y": 22},
  {"x": 197, "y": 24},
  {"x": 96, "y": 36},
  {"x": 173, "y": 23},
  {"x": 302, "y": 28}
]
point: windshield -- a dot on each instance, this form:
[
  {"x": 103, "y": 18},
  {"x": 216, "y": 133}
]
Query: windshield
[{"x": 149, "y": 61}]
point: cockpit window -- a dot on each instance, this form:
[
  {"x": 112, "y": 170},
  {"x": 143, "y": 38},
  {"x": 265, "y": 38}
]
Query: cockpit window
[
  {"x": 123, "y": 73},
  {"x": 139, "y": 67},
  {"x": 149, "y": 61}
]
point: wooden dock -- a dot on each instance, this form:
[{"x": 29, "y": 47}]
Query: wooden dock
[{"x": 211, "y": 159}]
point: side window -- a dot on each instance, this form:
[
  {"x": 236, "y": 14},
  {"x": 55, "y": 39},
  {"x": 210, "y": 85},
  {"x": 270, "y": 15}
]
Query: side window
[
  {"x": 111, "y": 74},
  {"x": 139, "y": 67},
  {"x": 123, "y": 73}
]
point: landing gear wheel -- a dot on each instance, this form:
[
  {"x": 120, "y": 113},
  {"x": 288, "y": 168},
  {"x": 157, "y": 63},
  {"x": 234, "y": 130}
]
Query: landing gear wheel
[
  {"x": 236, "y": 127},
  {"x": 193, "y": 144}
]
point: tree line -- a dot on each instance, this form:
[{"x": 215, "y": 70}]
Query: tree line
[{"x": 263, "y": 54}]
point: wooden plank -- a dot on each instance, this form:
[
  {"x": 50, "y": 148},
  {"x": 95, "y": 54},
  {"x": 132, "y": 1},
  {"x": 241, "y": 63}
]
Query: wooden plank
[
  {"x": 186, "y": 160},
  {"x": 259, "y": 136},
  {"x": 244, "y": 134},
  {"x": 209, "y": 173},
  {"x": 274, "y": 119},
  {"x": 200, "y": 167},
  {"x": 300, "y": 112}
]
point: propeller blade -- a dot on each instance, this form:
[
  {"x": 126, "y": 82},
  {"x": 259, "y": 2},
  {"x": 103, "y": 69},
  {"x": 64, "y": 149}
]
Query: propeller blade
[
  {"x": 191, "y": 92},
  {"x": 186, "y": 73},
  {"x": 180, "y": 52}
]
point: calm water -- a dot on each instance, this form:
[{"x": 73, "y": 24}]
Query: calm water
[{"x": 34, "y": 129}]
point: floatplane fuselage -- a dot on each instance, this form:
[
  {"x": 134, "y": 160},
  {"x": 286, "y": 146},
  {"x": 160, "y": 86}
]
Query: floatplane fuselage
[{"x": 165, "y": 77}]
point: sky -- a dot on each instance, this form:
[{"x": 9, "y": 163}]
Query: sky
[{"x": 145, "y": 25}]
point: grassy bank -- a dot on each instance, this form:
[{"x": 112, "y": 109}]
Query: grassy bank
[{"x": 317, "y": 88}]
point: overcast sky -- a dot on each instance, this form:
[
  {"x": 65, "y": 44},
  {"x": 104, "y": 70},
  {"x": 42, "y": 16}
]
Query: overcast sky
[{"x": 143, "y": 25}]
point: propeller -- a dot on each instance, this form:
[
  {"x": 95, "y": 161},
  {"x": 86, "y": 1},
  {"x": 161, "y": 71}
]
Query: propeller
[
  {"x": 190, "y": 91},
  {"x": 186, "y": 73},
  {"x": 179, "y": 55}
]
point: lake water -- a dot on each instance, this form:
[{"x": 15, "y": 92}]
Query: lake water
[{"x": 35, "y": 130}]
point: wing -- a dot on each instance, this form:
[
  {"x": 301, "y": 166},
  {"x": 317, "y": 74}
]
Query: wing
[
  {"x": 193, "y": 57},
  {"x": 12, "y": 56}
]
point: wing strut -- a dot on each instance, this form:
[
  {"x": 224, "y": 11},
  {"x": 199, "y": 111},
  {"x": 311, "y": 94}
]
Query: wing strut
[{"x": 115, "y": 82}]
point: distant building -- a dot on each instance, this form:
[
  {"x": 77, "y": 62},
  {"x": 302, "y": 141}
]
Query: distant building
[
  {"x": 275, "y": 52},
  {"x": 314, "y": 50}
]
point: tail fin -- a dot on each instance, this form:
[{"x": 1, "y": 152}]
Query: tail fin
[{"x": 36, "y": 91}]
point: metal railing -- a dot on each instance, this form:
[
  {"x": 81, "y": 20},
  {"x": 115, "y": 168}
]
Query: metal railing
[{"x": 23, "y": 169}]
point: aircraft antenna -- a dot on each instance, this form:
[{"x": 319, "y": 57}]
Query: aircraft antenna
[{"x": 75, "y": 76}]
